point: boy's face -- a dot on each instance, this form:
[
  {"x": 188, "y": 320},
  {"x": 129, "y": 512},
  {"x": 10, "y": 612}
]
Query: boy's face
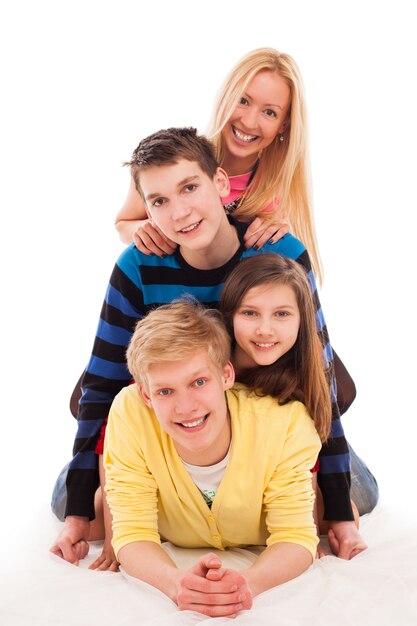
[
  {"x": 189, "y": 401},
  {"x": 185, "y": 203}
]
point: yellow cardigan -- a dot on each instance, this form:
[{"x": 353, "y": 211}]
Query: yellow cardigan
[{"x": 265, "y": 496}]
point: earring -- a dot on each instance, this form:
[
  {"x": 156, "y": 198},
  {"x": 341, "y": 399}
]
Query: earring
[
  {"x": 281, "y": 137},
  {"x": 260, "y": 153}
]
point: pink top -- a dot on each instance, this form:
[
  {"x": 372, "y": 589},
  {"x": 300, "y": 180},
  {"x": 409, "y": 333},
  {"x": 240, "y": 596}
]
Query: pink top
[{"x": 238, "y": 185}]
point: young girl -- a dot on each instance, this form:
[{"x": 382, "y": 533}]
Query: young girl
[
  {"x": 268, "y": 309},
  {"x": 259, "y": 131}
]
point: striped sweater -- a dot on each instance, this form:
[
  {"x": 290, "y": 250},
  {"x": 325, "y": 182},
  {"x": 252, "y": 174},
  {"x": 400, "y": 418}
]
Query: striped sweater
[{"x": 139, "y": 283}]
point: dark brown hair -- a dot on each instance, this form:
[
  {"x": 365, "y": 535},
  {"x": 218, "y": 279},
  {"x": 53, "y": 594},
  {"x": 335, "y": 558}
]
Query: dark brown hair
[
  {"x": 298, "y": 374},
  {"x": 166, "y": 147}
]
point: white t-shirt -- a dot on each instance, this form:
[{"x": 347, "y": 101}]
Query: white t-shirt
[{"x": 208, "y": 478}]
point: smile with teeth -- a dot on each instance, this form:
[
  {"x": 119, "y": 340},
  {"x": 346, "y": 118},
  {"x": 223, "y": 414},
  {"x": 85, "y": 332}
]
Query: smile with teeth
[
  {"x": 195, "y": 423},
  {"x": 188, "y": 229},
  {"x": 242, "y": 137},
  {"x": 264, "y": 345}
]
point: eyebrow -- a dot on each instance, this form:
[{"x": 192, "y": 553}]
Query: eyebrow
[
  {"x": 185, "y": 181},
  {"x": 199, "y": 373},
  {"x": 270, "y": 104},
  {"x": 248, "y": 305}
]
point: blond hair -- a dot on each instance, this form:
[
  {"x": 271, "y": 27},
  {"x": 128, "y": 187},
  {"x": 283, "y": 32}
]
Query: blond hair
[
  {"x": 283, "y": 167},
  {"x": 175, "y": 331}
]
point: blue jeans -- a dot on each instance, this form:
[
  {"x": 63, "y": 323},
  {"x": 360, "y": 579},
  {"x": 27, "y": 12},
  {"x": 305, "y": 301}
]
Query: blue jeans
[
  {"x": 364, "y": 488},
  {"x": 59, "y": 494}
]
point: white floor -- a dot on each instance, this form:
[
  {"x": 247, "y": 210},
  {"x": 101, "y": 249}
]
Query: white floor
[{"x": 378, "y": 587}]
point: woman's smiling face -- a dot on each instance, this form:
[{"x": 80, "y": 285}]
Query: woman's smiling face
[{"x": 259, "y": 116}]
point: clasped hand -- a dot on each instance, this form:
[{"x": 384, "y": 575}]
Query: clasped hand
[{"x": 213, "y": 590}]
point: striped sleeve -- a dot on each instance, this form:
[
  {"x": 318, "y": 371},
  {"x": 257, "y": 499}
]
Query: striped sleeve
[
  {"x": 334, "y": 469},
  {"x": 106, "y": 374}
]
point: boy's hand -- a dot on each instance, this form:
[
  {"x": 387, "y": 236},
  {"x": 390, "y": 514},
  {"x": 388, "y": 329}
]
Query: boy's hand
[
  {"x": 262, "y": 230},
  {"x": 212, "y": 590},
  {"x": 107, "y": 559},
  {"x": 71, "y": 544},
  {"x": 345, "y": 540}
]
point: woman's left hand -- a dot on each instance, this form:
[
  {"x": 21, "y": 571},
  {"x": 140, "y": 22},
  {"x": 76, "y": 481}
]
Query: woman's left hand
[{"x": 263, "y": 230}]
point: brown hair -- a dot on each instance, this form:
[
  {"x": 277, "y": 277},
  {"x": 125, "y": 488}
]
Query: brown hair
[
  {"x": 168, "y": 146},
  {"x": 176, "y": 331},
  {"x": 299, "y": 374}
]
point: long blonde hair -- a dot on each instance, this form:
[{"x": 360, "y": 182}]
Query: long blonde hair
[{"x": 283, "y": 167}]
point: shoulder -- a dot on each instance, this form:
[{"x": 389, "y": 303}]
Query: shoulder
[
  {"x": 131, "y": 262},
  {"x": 288, "y": 246},
  {"x": 128, "y": 409},
  {"x": 247, "y": 404}
]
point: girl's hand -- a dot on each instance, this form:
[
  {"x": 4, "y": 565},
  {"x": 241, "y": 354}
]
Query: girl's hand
[
  {"x": 263, "y": 230},
  {"x": 149, "y": 239},
  {"x": 107, "y": 560}
]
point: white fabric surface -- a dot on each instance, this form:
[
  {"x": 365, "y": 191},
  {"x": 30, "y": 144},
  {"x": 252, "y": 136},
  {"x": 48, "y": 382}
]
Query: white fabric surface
[{"x": 377, "y": 587}]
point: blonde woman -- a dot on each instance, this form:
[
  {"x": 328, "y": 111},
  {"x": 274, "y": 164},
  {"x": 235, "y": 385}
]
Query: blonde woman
[{"x": 259, "y": 131}]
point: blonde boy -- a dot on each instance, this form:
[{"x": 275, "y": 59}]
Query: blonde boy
[{"x": 255, "y": 489}]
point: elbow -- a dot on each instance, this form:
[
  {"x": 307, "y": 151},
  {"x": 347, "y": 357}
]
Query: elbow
[{"x": 124, "y": 236}]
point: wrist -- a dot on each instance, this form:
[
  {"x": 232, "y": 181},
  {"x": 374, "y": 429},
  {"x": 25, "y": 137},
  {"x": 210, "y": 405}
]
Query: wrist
[{"x": 77, "y": 520}]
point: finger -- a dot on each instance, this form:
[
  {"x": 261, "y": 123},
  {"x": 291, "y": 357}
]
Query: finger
[
  {"x": 196, "y": 597},
  {"x": 69, "y": 554},
  {"x": 215, "y": 574},
  {"x": 97, "y": 562},
  {"x": 358, "y": 550},
  {"x": 333, "y": 542},
  {"x": 57, "y": 551},
  {"x": 154, "y": 240},
  {"x": 161, "y": 237},
  {"x": 279, "y": 234},
  {"x": 140, "y": 246},
  {"x": 146, "y": 245},
  {"x": 255, "y": 224},
  {"x": 114, "y": 567},
  {"x": 211, "y": 610},
  {"x": 166, "y": 245},
  {"x": 322, "y": 551},
  {"x": 209, "y": 561},
  {"x": 345, "y": 550},
  {"x": 266, "y": 236},
  {"x": 81, "y": 548},
  {"x": 198, "y": 583}
]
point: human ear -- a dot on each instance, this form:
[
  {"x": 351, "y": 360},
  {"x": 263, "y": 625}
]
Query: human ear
[
  {"x": 221, "y": 180},
  {"x": 145, "y": 396},
  {"x": 228, "y": 375},
  {"x": 284, "y": 127}
]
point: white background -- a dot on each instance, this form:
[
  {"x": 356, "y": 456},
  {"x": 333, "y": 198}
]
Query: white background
[{"x": 82, "y": 82}]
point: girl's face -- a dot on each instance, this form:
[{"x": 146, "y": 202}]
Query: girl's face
[
  {"x": 265, "y": 325},
  {"x": 257, "y": 119}
]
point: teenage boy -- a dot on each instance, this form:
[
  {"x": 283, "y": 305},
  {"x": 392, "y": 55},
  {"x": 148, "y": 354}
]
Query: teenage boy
[
  {"x": 177, "y": 174},
  {"x": 186, "y": 456}
]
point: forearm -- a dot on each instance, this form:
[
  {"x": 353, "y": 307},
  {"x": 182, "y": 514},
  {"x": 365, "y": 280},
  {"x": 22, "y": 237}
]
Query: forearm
[
  {"x": 147, "y": 561},
  {"x": 277, "y": 564},
  {"x": 107, "y": 517},
  {"x": 334, "y": 475},
  {"x": 127, "y": 228}
]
